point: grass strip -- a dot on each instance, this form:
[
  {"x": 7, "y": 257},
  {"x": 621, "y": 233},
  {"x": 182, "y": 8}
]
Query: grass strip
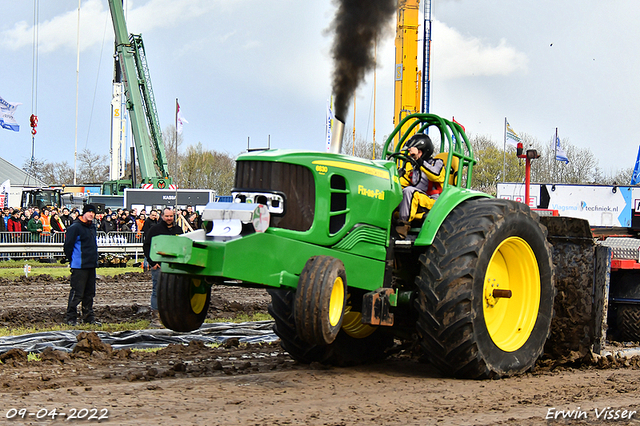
[
  {"x": 110, "y": 328},
  {"x": 242, "y": 317},
  {"x": 60, "y": 271}
]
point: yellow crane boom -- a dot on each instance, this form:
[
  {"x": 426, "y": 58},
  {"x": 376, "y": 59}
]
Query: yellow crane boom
[{"x": 407, "y": 76}]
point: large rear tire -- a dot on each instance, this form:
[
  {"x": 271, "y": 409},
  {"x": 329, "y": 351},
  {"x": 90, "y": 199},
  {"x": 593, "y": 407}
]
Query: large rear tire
[
  {"x": 359, "y": 345},
  {"x": 183, "y": 301},
  {"x": 486, "y": 290}
]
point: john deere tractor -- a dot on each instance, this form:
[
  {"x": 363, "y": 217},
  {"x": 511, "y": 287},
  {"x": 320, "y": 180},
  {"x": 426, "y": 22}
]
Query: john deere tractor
[{"x": 473, "y": 281}]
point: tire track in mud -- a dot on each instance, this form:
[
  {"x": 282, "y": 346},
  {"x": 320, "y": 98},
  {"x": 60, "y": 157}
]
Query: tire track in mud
[{"x": 238, "y": 383}]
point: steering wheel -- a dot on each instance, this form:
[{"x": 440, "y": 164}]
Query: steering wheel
[{"x": 404, "y": 156}]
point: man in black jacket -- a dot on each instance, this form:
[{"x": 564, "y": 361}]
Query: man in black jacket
[
  {"x": 150, "y": 222},
  {"x": 165, "y": 227},
  {"x": 81, "y": 249}
]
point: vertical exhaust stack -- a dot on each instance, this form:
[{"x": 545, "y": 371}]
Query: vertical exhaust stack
[{"x": 337, "y": 135}]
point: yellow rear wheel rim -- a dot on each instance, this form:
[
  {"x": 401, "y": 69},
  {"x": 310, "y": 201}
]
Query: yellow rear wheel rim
[
  {"x": 510, "y": 320},
  {"x": 198, "y": 300},
  {"x": 353, "y": 326},
  {"x": 336, "y": 303}
]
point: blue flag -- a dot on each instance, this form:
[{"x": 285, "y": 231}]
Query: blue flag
[
  {"x": 6, "y": 115},
  {"x": 635, "y": 178},
  {"x": 561, "y": 155}
]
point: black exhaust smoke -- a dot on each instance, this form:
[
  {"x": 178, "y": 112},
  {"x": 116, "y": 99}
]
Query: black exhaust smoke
[{"x": 357, "y": 25}]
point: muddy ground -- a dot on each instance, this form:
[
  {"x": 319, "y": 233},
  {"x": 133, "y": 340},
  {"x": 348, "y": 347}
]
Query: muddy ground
[
  {"x": 258, "y": 384},
  {"x": 42, "y": 300}
]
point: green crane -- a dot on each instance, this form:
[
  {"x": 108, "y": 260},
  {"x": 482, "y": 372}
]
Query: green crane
[{"x": 145, "y": 125}]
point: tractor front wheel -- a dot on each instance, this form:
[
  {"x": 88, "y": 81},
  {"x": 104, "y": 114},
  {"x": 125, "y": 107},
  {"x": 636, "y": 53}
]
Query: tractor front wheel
[
  {"x": 320, "y": 300},
  {"x": 486, "y": 290},
  {"x": 355, "y": 343},
  {"x": 183, "y": 301}
]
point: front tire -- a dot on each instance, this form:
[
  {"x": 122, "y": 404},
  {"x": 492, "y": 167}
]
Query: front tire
[
  {"x": 358, "y": 345},
  {"x": 183, "y": 301},
  {"x": 320, "y": 300},
  {"x": 486, "y": 290}
]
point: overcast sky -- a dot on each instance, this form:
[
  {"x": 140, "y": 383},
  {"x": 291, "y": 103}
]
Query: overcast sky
[{"x": 262, "y": 69}]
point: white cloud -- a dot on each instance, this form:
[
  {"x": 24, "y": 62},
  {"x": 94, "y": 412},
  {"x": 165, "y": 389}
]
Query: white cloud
[
  {"x": 60, "y": 32},
  {"x": 167, "y": 13},
  {"x": 456, "y": 55},
  {"x": 252, "y": 44}
]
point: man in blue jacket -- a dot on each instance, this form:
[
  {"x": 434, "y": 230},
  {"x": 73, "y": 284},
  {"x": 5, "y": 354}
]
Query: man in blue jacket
[{"x": 81, "y": 249}]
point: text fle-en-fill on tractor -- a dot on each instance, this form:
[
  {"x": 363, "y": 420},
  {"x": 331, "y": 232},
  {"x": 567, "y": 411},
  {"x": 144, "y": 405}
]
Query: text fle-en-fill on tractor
[{"x": 474, "y": 281}]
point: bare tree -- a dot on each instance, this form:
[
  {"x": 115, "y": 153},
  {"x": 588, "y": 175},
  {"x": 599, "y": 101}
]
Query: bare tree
[
  {"x": 50, "y": 173},
  {"x": 621, "y": 177},
  {"x": 582, "y": 166},
  {"x": 63, "y": 173},
  {"x": 488, "y": 170},
  {"x": 200, "y": 168},
  {"x": 38, "y": 169},
  {"x": 172, "y": 154},
  {"x": 93, "y": 168},
  {"x": 361, "y": 147}
]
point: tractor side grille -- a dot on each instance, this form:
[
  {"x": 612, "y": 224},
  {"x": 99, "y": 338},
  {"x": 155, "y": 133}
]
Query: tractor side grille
[
  {"x": 338, "y": 207},
  {"x": 294, "y": 181}
]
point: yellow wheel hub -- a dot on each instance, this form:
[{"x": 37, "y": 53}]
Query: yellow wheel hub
[
  {"x": 336, "y": 303},
  {"x": 511, "y": 294},
  {"x": 198, "y": 300}
]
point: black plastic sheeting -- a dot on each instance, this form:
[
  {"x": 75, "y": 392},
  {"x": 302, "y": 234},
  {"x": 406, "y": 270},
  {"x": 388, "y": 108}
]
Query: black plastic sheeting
[{"x": 249, "y": 332}]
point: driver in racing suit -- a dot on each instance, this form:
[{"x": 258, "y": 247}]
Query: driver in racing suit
[{"x": 421, "y": 188}]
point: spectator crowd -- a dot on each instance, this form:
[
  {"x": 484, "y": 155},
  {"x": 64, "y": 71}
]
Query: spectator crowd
[
  {"x": 79, "y": 233},
  {"x": 42, "y": 224}
]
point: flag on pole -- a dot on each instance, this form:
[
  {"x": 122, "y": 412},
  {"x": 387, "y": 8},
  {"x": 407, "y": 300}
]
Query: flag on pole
[
  {"x": 561, "y": 155},
  {"x": 512, "y": 137},
  {"x": 635, "y": 178},
  {"x": 329, "y": 124},
  {"x": 179, "y": 119},
  {"x": 6, "y": 115}
]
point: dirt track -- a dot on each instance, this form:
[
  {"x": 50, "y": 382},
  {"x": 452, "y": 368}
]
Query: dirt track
[
  {"x": 261, "y": 385},
  {"x": 42, "y": 300}
]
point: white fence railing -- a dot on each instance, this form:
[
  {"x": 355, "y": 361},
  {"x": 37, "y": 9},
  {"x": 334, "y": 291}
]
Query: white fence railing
[{"x": 50, "y": 245}]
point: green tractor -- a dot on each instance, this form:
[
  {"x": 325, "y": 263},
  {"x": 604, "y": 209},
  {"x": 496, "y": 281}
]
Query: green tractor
[{"x": 473, "y": 281}]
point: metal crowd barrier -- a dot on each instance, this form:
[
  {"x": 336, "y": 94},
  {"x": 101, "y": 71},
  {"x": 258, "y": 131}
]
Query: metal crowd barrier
[
  {"x": 27, "y": 237},
  {"x": 14, "y": 245}
]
